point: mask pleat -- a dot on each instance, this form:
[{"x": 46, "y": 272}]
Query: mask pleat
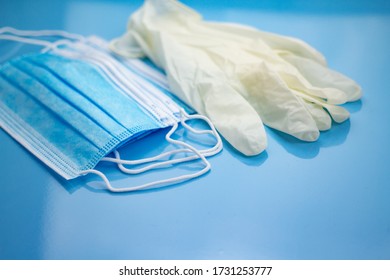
[
  {"x": 60, "y": 109},
  {"x": 70, "y": 94},
  {"x": 55, "y": 130},
  {"x": 99, "y": 91}
]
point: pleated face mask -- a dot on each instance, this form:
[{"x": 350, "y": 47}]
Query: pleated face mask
[
  {"x": 72, "y": 116},
  {"x": 71, "y": 113}
]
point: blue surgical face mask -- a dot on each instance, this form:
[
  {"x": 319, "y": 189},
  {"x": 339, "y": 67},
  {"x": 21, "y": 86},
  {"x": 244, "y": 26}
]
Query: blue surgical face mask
[
  {"x": 66, "y": 108},
  {"x": 71, "y": 109}
]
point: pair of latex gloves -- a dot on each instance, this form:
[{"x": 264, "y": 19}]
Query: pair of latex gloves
[{"x": 238, "y": 76}]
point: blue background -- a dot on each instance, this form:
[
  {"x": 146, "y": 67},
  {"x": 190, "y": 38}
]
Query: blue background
[{"x": 322, "y": 200}]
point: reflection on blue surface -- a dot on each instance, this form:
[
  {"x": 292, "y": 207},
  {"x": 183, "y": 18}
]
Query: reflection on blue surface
[
  {"x": 333, "y": 137},
  {"x": 322, "y": 200}
]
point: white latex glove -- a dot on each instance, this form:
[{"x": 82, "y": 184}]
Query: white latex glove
[{"x": 238, "y": 76}]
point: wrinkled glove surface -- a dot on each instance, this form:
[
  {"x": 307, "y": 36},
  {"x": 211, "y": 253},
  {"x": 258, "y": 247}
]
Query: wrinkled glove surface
[{"x": 238, "y": 76}]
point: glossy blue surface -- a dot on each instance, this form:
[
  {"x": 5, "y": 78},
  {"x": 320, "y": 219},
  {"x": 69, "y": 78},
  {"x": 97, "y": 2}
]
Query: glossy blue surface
[{"x": 323, "y": 200}]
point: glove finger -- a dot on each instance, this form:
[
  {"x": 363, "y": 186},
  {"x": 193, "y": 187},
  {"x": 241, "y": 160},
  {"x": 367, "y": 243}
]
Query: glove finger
[
  {"x": 276, "y": 104},
  {"x": 295, "y": 80},
  {"x": 321, "y": 117},
  {"x": 234, "y": 118},
  {"x": 338, "y": 113},
  {"x": 257, "y": 50},
  {"x": 323, "y": 77},
  {"x": 232, "y": 58}
]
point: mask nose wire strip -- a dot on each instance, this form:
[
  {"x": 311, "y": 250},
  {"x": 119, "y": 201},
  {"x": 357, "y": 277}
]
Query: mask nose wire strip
[
  {"x": 164, "y": 182},
  {"x": 206, "y": 152}
]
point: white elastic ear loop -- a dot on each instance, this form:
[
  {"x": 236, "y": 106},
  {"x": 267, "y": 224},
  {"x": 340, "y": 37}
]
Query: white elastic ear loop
[
  {"x": 20, "y": 36},
  {"x": 206, "y": 152},
  {"x": 47, "y": 44},
  {"x": 41, "y": 33},
  {"x": 164, "y": 182},
  {"x": 25, "y": 40},
  {"x": 54, "y": 46}
]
